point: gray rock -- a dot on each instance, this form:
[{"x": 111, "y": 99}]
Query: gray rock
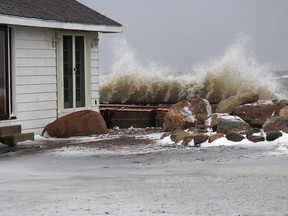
[
  {"x": 232, "y": 124},
  {"x": 273, "y": 135},
  {"x": 234, "y": 136}
]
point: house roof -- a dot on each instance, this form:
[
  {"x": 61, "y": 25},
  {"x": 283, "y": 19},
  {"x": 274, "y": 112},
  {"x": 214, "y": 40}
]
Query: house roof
[{"x": 67, "y": 14}]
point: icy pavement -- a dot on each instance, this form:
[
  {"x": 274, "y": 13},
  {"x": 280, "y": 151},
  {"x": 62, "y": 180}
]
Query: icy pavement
[{"x": 144, "y": 176}]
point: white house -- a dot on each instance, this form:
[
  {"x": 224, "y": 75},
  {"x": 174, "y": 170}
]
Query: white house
[{"x": 49, "y": 62}]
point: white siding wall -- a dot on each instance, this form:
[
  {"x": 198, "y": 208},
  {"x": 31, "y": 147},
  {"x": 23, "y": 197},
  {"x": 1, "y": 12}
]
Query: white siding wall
[
  {"x": 36, "y": 79},
  {"x": 95, "y": 79},
  {"x": 36, "y": 101}
]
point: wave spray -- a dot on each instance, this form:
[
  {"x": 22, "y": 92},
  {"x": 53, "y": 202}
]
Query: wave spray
[{"x": 235, "y": 72}]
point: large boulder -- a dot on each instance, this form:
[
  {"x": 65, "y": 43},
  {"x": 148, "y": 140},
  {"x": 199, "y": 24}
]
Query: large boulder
[
  {"x": 184, "y": 114},
  {"x": 256, "y": 113},
  {"x": 81, "y": 123},
  {"x": 231, "y": 123},
  {"x": 228, "y": 105},
  {"x": 275, "y": 123},
  {"x": 179, "y": 117}
]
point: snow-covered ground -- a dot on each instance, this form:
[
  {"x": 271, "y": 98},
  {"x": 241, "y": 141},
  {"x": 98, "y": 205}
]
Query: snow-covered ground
[
  {"x": 94, "y": 176},
  {"x": 276, "y": 147}
]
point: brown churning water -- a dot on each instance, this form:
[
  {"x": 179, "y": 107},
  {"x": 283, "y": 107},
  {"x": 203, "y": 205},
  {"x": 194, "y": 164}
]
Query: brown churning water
[{"x": 232, "y": 74}]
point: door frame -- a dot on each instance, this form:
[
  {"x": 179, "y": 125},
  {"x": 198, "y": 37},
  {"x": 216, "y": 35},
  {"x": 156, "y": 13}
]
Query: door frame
[{"x": 60, "y": 81}]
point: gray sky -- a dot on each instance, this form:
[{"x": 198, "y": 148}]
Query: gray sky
[{"x": 181, "y": 34}]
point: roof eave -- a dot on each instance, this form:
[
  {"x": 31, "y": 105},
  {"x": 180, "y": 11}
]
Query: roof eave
[{"x": 23, "y": 21}]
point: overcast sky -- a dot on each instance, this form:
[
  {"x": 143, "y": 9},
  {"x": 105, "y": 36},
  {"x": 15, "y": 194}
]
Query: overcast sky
[{"x": 182, "y": 33}]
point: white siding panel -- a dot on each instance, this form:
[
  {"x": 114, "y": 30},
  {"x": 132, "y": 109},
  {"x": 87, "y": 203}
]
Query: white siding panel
[
  {"x": 35, "y": 53},
  {"x": 95, "y": 87},
  {"x": 95, "y": 79},
  {"x": 40, "y": 105},
  {"x": 29, "y": 44},
  {"x": 95, "y": 94},
  {"x": 39, "y": 114},
  {"x": 94, "y": 55},
  {"x": 35, "y": 34},
  {"x": 95, "y": 71},
  {"x": 36, "y": 71},
  {"x": 26, "y": 80},
  {"x": 94, "y": 63},
  {"x": 37, "y": 97},
  {"x": 30, "y": 89},
  {"x": 36, "y": 84},
  {"x": 36, "y": 62},
  {"x": 35, "y": 126}
]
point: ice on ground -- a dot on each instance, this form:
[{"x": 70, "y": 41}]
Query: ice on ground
[
  {"x": 279, "y": 149},
  {"x": 79, "y": 151}
]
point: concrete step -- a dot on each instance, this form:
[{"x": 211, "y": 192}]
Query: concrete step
[
  {"x": 9, "y": 130},
  {"x": 12, "y": 140}
]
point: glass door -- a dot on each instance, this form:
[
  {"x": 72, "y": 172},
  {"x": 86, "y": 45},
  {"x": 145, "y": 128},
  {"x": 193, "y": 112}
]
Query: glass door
[
  {"x": 4, "y": 99},
  {"x": 74, "y": 71}
]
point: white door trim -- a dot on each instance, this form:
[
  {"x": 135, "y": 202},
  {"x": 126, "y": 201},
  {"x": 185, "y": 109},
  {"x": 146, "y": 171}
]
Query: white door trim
[{"x": 60, "y": 81}]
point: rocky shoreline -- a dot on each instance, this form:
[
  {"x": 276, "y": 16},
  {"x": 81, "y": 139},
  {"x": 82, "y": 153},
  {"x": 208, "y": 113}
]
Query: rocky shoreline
[{"x": 236, "y": 118}]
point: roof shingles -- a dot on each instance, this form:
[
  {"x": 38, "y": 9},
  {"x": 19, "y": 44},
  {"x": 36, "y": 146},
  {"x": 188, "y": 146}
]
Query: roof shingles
[{"x": 66, "y": 11}]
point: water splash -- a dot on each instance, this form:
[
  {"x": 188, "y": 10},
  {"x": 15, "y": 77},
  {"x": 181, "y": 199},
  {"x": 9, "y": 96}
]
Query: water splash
[{"x": 236, "y": 72}]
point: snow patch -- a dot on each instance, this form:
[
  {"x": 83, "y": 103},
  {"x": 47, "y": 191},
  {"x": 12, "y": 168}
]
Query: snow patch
[
  {"x": 232, "y": 117},
  {"x": 187, "y": 113},
  {"x": 208, "y": 107}
]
